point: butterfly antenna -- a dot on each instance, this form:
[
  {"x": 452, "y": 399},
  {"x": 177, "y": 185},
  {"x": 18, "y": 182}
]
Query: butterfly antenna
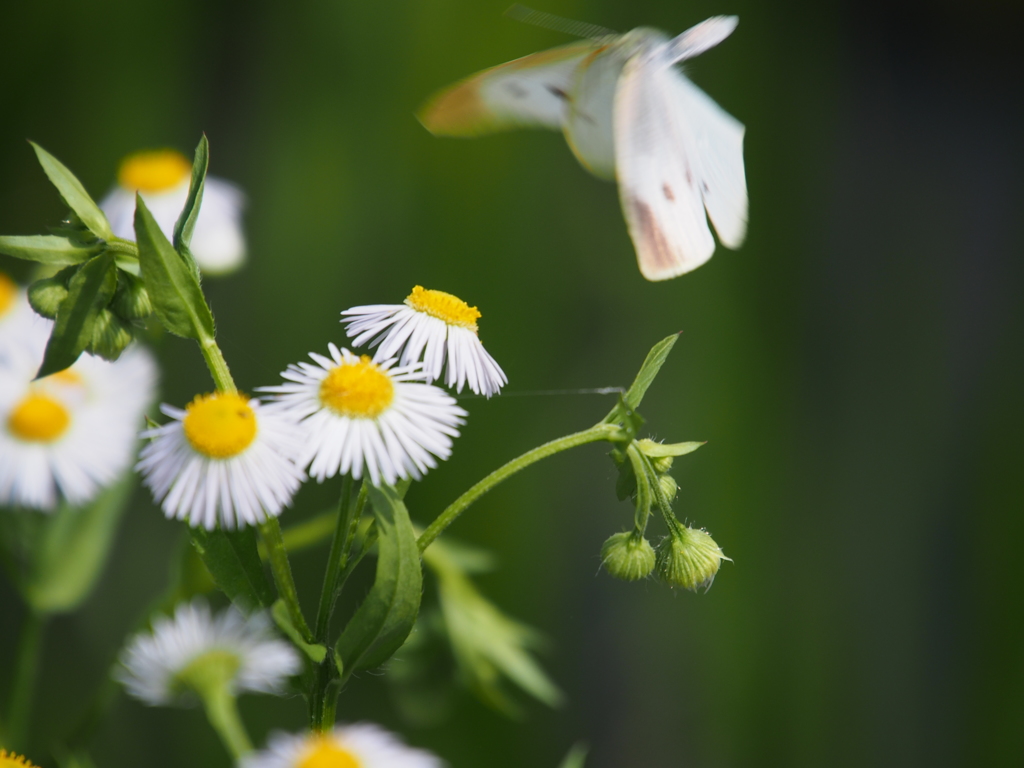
[{"x": 556, "y": 23}]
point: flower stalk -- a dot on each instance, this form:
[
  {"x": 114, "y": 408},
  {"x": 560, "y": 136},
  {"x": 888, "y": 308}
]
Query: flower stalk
[{"x": 597, "y": 433}]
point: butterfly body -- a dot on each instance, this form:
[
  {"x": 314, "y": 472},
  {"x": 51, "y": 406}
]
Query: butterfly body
[{"x": 630, "y": 115}]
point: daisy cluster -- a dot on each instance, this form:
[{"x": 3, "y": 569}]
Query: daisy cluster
[
  {"x": 68, "y": 435},
  {"x": 227, "y": 459}
]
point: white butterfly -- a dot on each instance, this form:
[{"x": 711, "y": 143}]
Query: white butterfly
[{"x": 628, "y": 114}]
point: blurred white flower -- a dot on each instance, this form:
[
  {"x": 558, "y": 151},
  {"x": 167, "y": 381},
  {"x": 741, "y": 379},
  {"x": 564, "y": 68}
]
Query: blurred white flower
[
  {"x": 362, "y": 745},
  {"x": 162, "y": 177},
  {"x": 432, "y": 326},
  {"x": 222, "y": 459},
  {"x": 73, "y": 432},
  {"x": 19, "y": 325},
  {"x": 360, "y": 416},
  {"x": 194, "y": 648}
]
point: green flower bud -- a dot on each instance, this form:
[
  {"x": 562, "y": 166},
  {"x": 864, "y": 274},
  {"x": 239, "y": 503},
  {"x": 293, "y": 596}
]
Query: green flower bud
[
  {"x": 669, "y": 486},
  {"x": 628, "y": 556},
  {"x": 689, "y": 558},
  {"x": 46, "y": 295},
  {"x": 662, "y": 464},
  {"x": 110, "y": 336},
  {"x": 131, "y": 299}
]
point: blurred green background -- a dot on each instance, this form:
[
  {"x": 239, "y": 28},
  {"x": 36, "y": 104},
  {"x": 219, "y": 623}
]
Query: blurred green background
[{"x": 856, "y": 366}]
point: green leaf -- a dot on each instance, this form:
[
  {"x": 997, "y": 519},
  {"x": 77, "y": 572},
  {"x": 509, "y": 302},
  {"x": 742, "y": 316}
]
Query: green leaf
[
  {"x": 186, "y": 223},
  {"x": 73, "y": 549},
  {"x": 172, "y": 284},
  {"x": 576, "y": 758},
  {"x": 649, "y": 370},
  {"x": 658, "y": 450},
  {"x": 489, "y": 647},
  {"x": 234, "y": 562},
  {"x": 385, "y": 618},
  {"x": 46, "y": 249},
  {"x": 283, "y": 619},
  {"x": 74, "y": 194},
  {"x": 89, "y": 291}
]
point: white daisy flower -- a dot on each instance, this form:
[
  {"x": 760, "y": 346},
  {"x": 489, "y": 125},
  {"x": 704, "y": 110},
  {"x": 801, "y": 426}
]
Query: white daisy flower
[
  {"x": 362, "y": 745},
  {"x": 72, "y": 433},
  {"x": 184, "y": 652},
  {"x": 361, "y": 416},
  {"x": 432, "y": 326},
  {"x": 223, "y": 459},
  {"x": 162, "y": 177}
]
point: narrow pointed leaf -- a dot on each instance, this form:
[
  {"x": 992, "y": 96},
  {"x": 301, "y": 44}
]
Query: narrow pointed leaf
[
  {"x": 74, "y": 194},
  {"x": 657, "y": 450},
  {"x": 89, "y": 291},
  {"x": 649, "y": 370},
  {"x": 186, "y": 223},
  {"x": 73, "y": 549},
  {"x": 46, "y": 249},
  {"x": 385, "y": 618},
  {"x": 172, "y": 284},
  {"x": 234, "y": 562}
]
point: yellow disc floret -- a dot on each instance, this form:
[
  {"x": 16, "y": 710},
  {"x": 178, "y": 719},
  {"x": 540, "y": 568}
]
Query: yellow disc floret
[
  {"x": 220, "y": 425},
  {"x": 359, "y": 390},
  {"x": 443, "y": 306},
  {"x": 325, "y": 752},
  {"x": 155, "y": 170},
  {"x": 11, "y": 760},
  {"x": 8, "y": 291},
  {"x": 38, "y": 418}
]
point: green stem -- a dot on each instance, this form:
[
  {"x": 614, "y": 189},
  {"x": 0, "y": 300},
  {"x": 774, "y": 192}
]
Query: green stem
[
  {"x": 342, "y": 524},
  {"x": 119, "y": 245},
  {"x": 597, "y": 433},
  {"x": 270, "y": 531},
  {"x": 323, "y": 700},
  {"x": 222, "y": 711},
  {"x": 25, "y": 666},
  {"x": 217, "y": 364}
]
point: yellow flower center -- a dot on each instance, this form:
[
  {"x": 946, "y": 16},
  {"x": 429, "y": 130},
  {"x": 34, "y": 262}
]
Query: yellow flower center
[
  {"x": 11, "y": 760},
  {"x": 359, "y": 390},
  {"x": 325, "y": 752},
  {"x": 38, "y": 418},
  {"x": 155, "y": 170},
  {"x": 8, "y": 291},
  {"x": 220, "y": 425},
  {"x": 443, "y": 306}
]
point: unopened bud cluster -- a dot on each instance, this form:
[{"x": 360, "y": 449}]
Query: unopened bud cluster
[
  {"x": 687, "y": 557},
  {"x": 114, "y": 327}
]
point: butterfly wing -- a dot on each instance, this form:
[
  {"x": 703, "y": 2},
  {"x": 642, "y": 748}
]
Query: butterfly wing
[
  {"x": 658, "y": 173},
  {"x": 528, "y": 92},
  {"x": 588, "y": 123},
  {"x": 717, "y": 139}
]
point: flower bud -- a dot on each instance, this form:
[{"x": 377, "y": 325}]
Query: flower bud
[
  {"x": 110, "y": 336},
  {"x": 669, "y": 486},
  {"x": 131, "y": 299},
  {"x": 689, "y": 558},
  {"x": 662, "y": 464},
  {"x": 628, "y": 556},
  {"x": 46, "y": 295}
]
